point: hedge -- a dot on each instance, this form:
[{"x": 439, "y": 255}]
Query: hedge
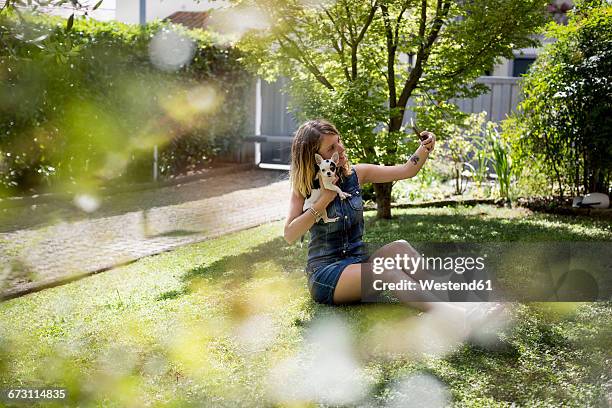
[{"x": 84, "y": 107}]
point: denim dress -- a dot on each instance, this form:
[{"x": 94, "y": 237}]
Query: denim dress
[{"x": 335, "y": 245}]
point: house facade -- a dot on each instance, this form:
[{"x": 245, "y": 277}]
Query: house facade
[{"x": 141, "y": 11}]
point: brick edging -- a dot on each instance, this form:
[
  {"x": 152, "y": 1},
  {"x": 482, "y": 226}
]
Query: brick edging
[
  {"x": 601, "y": 213},
  {"x": 444, "y": 203}
]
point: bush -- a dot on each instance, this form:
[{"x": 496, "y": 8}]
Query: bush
[
  {"x": 86, "y": 106},
  {"x": 565, "y": 119}
]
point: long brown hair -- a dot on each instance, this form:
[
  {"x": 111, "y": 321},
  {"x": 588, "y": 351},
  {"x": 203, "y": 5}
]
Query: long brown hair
[{"x": 306, "y": 143}]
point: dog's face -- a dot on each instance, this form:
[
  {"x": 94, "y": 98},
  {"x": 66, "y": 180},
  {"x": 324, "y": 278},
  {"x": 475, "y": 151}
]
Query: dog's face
[{"x": 327, "y": 166}]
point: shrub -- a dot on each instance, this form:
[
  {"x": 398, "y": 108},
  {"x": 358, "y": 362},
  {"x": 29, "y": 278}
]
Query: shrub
[
  {"x": 467, "y": 147},
  {"x": 565, "y": 119}
]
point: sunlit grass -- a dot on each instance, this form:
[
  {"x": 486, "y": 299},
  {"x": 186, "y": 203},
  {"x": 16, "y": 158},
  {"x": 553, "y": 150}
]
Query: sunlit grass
[{"x": 230, "y": 322}]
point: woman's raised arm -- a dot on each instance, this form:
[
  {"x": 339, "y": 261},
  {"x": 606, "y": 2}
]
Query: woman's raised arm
[{"x": 373, "y": 173}]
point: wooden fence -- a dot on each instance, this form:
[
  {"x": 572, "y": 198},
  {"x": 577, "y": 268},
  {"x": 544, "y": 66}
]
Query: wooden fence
[{"x": 276, "y": 124}]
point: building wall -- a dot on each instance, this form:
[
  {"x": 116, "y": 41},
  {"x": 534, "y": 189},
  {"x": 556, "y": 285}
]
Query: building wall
[
  {"x": 128, "y": 11},
  {"x": 505, "y": 67}
]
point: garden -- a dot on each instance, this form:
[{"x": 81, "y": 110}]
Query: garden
[{"x": 226, "y": 319}]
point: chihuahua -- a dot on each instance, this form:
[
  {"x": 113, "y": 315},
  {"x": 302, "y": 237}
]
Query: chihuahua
[{"x": 325, "y": 176}]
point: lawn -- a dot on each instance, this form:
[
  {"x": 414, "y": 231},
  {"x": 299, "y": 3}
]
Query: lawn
[{"x": 229, "y": 322}]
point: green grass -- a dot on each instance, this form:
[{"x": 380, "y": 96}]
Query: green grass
[{"x": 169, "y": 330}]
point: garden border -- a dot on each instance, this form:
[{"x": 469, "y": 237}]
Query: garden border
[
  {"x": 443, "y": 203},
  {"x": 564, "y": 210}
]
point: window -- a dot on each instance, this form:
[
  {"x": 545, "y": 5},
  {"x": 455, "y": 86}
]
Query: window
[{"x": 521, "y": 65}]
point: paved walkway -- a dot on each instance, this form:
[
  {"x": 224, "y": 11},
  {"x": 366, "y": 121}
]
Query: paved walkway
[{"x": 129, "y": 226}]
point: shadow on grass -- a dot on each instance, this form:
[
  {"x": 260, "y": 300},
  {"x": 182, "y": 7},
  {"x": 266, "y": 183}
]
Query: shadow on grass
[
  {"x": 238, "y": 269},
  {"x": 476, "y": 228},
  {"x": 532, "y": 365}
]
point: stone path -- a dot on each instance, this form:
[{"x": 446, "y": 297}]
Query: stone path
[{"x": 129, "y": 226}]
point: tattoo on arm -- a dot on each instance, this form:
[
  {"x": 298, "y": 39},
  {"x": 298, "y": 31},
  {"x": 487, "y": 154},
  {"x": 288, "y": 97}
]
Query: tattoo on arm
[{"x": 414, "y": 159}]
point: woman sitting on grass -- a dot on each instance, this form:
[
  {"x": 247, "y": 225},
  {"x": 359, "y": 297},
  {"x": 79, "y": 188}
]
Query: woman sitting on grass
[{"x": 336, "y": 252}]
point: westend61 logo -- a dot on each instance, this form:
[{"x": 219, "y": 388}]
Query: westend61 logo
[
  {"x": 438, "y": 268},
  {"x": 412, "y": 264},
  {"x": 491, "y": 271}
]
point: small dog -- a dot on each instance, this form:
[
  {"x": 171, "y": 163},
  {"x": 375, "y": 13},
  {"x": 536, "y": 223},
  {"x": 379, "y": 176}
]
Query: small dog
[{"x": 325, "y": 176}]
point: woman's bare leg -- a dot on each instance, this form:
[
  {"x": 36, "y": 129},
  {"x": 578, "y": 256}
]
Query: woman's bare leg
[
  {"x": 453, "y": 322},
  {"x": 348, "y": 289},
  {"x": 430, "y": 300}
]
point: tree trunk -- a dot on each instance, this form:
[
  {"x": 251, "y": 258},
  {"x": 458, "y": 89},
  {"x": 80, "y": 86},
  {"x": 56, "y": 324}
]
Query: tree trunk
[
  {"x": 383, "y": 199},
  {"x": 585, "y": 173}
]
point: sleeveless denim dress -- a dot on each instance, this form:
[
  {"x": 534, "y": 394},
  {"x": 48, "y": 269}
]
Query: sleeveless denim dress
[{"x": 335, "y": 245}]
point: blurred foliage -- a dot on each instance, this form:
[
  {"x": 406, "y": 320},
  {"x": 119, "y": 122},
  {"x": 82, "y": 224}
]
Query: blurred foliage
[
  {"x": 532, "y": 180},
  {"x": 358, "y": 63},
  {"x": 565, "y": 119},
  {"x": 85, "y": 106}
]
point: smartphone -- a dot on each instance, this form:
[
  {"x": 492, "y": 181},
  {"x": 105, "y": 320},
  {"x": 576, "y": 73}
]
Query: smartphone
[{"x": 417, "y": 130}]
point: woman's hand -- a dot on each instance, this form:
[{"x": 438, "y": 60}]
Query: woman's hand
[{"x": 428, "y": 140}]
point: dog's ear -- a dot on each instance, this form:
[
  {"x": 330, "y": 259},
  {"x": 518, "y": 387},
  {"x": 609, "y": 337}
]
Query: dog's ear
[
  {"x": 318, "y": 158},
  {"x": 335, "y": 157}
]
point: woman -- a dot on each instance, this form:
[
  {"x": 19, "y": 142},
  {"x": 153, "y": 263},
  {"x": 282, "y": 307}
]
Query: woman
[{"x": 336, "y": 252}]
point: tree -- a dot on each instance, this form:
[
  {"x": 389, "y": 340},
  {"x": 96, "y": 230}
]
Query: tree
[
  {"x": 565, "y": 119},
  {"x": 359, "y": 63}
]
